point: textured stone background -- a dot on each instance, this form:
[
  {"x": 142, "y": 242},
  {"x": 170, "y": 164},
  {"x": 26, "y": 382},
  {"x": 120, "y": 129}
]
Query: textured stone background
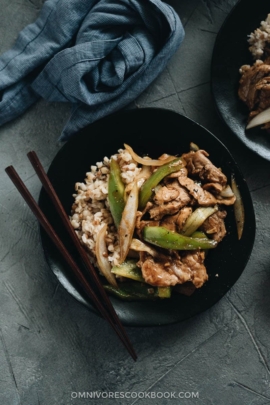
[{"x": 50, "y": 345}]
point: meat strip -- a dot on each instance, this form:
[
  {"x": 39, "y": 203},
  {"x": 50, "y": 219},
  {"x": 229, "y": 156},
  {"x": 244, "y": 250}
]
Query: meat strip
[
  {"x": 214, "y": 225},
  {"x": 164, "y": 271},
  {"x": 199, "y": 165}
]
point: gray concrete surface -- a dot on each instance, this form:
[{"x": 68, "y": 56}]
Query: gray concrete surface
[{"x": 52, "y": 349}]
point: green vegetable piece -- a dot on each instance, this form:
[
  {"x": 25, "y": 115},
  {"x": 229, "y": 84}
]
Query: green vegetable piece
[
  {"x": 116, "y": 191},
  {"x": 162, "y": 237},
  {"x": 199, "y": 235},
  {"x": 128, "y": 269},
  {"x": 149, "y": 185},
  {"x": 133, "y": 291},
  {"x": 164, "y": 292}
]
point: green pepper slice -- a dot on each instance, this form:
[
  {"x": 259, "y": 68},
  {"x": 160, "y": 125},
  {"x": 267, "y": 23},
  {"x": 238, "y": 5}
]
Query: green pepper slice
[
  {"x": 116, "y": 191},
  {"x": 164, "y": 292},
  {"x": 149, "y": 185},
  {"x": 162, "y": 237},
  {"x": 131, "y": 291},
  {"x": 199, "y": 235},
  {"x": 128, "y": 269}
]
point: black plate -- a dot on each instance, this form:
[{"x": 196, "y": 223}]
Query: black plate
[
  {"x": 229, "y": 54},
  {"x": 152, "y": 131}
]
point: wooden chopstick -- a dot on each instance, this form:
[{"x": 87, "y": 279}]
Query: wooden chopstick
[
  {"x": 118, "y": 328},
  {"x": 32, "y": 156}
]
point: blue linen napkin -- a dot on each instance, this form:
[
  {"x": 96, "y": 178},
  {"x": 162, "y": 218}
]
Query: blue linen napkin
[{"x": 98, "y": 55}]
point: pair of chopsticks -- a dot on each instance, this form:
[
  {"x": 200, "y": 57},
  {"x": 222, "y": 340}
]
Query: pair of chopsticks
[{"x": 100, "y": 299}]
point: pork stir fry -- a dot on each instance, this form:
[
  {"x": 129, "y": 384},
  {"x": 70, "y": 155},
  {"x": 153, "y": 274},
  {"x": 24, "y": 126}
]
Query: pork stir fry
[
  {"x": 178, "y": 196},
  {"x": 254, "y": 83},
  {"x": 149, "y": 223},
  {"x": 254, "y": 88}
]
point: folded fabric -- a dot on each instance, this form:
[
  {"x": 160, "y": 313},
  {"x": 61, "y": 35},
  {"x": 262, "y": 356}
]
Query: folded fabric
[{"x": 98, "y": 55}]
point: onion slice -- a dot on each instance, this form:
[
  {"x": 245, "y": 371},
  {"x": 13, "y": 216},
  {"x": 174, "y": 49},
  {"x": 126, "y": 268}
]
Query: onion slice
[
  {"x": 239, "y": 211},
  {"x": 147, "y": 161},
  {"x": 139, "y": 246},
  {"x": 128, "y": 220},
  {"x": 196, "y": 219},
  {"x": 194, "y": 146},
  {"x": 227, "y": 192},
  {"x": 259, "y": 119},
  {"x": 102, "y": 257}
]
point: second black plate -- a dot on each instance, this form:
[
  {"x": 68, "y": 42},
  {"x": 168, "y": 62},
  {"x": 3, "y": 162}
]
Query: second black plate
[{"x": 229, "y": 54}]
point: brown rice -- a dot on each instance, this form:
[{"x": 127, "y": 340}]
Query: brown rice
[
  {"x": 259, "y": 38},
  {"x": 90, "y": 209}
]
